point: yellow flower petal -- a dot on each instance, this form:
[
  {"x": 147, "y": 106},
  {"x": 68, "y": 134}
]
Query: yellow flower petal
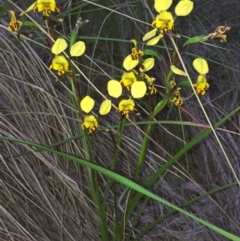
[
  {"x": 184, "y": 7},
  {"x": 149, "y": 34},
  {"x": 177, "y": 71},
  {"x": 114, "y": 88},
  {"x": 201, "y": 65},
  {"x": 154, "y": 40},
  {"x": 129, "y": 63},
  {"x": 138, "y": 89},
  {"x": 12, "y": 15},
  {"x": 134, "y": 41},
  {"x": 78, "y": 49},
  {"x": 201, "y": 79},
  {"x": 148, "y": 78},
  {"x": 165, "y": 16},
  {"x": 160, "y": 5},
  {"x": 87, "y": 104},
  {"x": 147, "y": 64},
  {"x": 59, "y": 46},
  {"x": 105, "y": 107}
]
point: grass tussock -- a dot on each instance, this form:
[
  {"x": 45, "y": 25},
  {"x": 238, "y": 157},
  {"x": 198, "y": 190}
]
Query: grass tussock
[{"x": 44, "y": 195}]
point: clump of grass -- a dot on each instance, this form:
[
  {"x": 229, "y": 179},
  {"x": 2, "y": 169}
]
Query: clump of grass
[{"x": 165, "y": 169}]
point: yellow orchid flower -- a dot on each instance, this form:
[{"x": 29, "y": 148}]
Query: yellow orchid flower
[
  {"x": 45, "y": 6},
  {"x": 125, "y": 106},
  {"x": 164, "y": 21},
  {"x": 177, "y": 100},
  {"x": 60, "y": 64},
  {"x": 90, "y": 123},
  {"x": 14, "y": 24},
  {"x": 128, "y": 78},
  {"x": 132, "y": 60},
  {"x": 202, "y": 85}
]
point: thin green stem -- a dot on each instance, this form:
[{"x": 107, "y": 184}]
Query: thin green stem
[
  {"x": 140, "y": 162},
  {"x": 94, "y": 186},
  {"x": 143, "y": 151},
  {"x": 141, "y": 158},
  {"x": 113, "y": 167},
  {"x": 92, "y": 174}
]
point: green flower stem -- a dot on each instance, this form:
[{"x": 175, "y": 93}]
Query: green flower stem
[
  {"x": 143, "y": 151},
  {"x": 75, "y": 86},
  {"x": 74, "y": 94},
  {"x": 94, "y": 186},
  {"x": 141, "y": 159},
  {"x": 140, "y": 162},
  {"x": 92, "y": 174},
  {"x": 167, "y": 80},
  {"x": 113, "y": 167}
]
